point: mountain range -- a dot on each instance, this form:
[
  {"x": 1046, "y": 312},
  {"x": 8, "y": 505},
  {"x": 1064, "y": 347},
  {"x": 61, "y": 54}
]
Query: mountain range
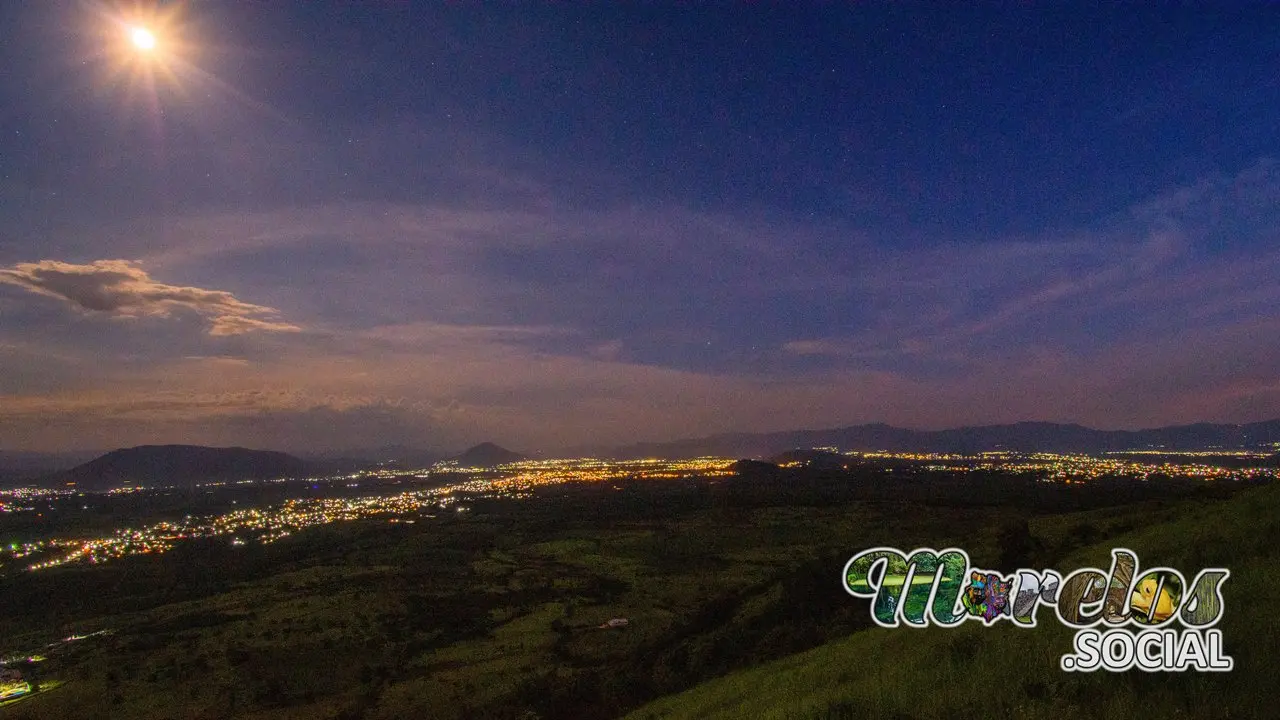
[
  {"x": 1023, "y": 436},
  {"x": 192, "y": 464}
]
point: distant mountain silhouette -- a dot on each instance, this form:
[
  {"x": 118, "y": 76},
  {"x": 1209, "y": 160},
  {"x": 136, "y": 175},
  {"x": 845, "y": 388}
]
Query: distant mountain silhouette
[
  {"x": 487, "y": 455},
  {"x": 179, "y": 465},
  {"x": 1023, "y": 436}
]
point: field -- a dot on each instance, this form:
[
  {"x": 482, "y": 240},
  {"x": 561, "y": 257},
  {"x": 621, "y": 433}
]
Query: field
[
  {"x": 1005, "y": 671},
  {"x": 734, "y": 608}
]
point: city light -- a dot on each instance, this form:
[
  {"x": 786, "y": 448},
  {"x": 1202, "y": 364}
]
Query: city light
[{"x": 517, "y": 481}]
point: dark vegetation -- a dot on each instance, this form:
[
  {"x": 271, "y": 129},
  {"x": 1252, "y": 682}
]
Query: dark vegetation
[{"x": 496, "y": 613}]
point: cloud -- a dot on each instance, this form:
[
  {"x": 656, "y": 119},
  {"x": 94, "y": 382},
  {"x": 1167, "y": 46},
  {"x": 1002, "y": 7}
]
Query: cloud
[
  {"x": 557, "y": 326},
  {"x": 1180, "y": 265},
  {"x": 122, "y": 289}
]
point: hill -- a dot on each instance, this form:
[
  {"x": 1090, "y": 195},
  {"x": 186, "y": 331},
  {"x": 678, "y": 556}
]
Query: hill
[
  {"x": 1023, "y": 436},
  {"x": 1012, "y": 672},
  {"x": 811, "y": 458},
  {"x": 180, "y": 465},
  {"x": 496, "y": 613},
  {"x": 487, "y": 454}
]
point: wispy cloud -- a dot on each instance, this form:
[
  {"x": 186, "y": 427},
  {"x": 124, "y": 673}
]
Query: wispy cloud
[
  {"x": 122, "y": 289},
  {"x": 554, "y": 326},
  {"x": 1180, "y": 265}
]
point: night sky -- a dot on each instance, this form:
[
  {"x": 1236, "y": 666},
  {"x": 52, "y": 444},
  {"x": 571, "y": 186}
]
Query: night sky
[{"x": 318, "y": 226}]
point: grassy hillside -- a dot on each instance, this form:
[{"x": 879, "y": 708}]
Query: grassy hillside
[
  {"x": 496, "y": 613},
  {"x": 971, "y": 671},
  {"x": 489, "y": 614}
]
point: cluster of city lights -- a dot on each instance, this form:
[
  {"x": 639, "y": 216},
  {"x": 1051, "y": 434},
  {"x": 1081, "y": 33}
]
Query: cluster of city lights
[
  {"x": 1244, "y": 454},
  {"x": 530, "y": 474},
  {"x": 263, "y": 525},
  {"x": 518, "y": 480},
  {"x": 1070, "y": 467},
  {"x": 24, "y": 499},
  {"x": 275, "y": 522},
  {"x": 1084, "y": 467}
]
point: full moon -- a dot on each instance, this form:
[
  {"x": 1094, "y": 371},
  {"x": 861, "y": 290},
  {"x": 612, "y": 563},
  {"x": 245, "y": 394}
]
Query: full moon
[{"x": 142, "y": 38}]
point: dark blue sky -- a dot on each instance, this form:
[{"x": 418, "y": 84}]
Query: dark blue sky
[{"x": 317, "y": 224}]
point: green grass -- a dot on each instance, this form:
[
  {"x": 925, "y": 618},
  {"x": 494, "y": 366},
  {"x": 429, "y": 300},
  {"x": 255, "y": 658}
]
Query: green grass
[
  {"x": 494, "y": 615},
  {"x": 1009, "y": 671}
]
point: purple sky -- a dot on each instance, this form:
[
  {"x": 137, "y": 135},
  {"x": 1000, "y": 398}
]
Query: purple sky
[{"x": 351, "y": 226}]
